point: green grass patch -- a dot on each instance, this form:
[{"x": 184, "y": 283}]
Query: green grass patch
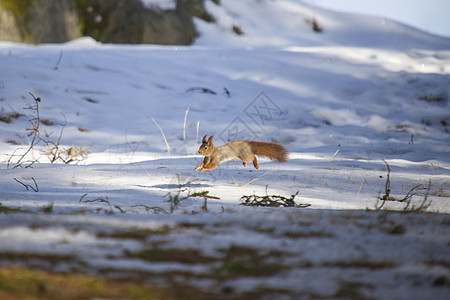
[{"x": 25, "y": 284}]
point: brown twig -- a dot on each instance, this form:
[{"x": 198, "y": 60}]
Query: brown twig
[
  {"x": 32, "y": 131},
  {"x": 27, "y": 186},
  {"x": 102, "y": 200}
]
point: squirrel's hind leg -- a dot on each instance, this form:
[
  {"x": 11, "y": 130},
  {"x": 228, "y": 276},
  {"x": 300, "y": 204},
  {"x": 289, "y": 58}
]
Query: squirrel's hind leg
[
  {"x": 244, "y": 163},
  {"x": 255, "y": 163}
]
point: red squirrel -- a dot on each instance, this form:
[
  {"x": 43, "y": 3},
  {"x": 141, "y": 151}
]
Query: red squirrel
[{"x": 239, "y": 150}]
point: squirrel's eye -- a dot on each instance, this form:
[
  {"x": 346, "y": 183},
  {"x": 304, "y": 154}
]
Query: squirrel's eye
[{"x": 206, "y": 148}]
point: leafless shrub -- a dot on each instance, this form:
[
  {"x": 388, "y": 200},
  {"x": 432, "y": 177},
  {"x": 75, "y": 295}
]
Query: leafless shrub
[
  {"x": 407, "y": 200},
  {"x": 33, "y": 131},
  {"x": 272, "y": 201},
  {"x": 109, "y": 211},
  {"x": 184, "y": 192},
  {"x": 55, "y": 152},
  {"x": 154, "y": 209}
]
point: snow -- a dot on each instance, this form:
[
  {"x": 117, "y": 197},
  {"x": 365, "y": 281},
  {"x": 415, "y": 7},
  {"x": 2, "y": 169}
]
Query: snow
[
  {"x": 429, "y": 16},
  {"x": 362, "y": 91},
  {"x": 160, "y": 4}
]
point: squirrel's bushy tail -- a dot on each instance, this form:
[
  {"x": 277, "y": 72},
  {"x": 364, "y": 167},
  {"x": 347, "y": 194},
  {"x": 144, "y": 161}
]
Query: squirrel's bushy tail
[{"x": 271, "y": 150}]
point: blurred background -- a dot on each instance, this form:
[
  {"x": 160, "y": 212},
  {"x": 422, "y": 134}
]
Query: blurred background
[{"x": 171, "y": 21}]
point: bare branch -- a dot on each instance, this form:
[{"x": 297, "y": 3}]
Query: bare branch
[{"x": 27, "y": 186}]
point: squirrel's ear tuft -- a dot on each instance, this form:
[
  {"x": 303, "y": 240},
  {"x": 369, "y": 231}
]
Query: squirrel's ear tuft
[
  {"x": 204, "y": 139},
  {"x": 210, "y": 140}
]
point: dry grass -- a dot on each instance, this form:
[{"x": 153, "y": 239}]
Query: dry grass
[{"x": 24, "y": 284}]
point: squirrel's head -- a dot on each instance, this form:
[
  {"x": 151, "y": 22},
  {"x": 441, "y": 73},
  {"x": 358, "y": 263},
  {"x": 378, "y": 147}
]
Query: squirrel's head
[{"x": 207, "y": 145}]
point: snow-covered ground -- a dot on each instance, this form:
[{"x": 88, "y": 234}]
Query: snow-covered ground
[{"x": 343, "y": 100}]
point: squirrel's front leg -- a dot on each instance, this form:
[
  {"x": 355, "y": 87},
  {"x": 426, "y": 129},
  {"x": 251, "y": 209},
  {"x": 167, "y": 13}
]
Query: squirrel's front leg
[
  {"x": 200, "y": 166},
  {"x": 210, "y": 166},
  {"x": 203, "y": 165},
  {"x": 207, "y": 164}
]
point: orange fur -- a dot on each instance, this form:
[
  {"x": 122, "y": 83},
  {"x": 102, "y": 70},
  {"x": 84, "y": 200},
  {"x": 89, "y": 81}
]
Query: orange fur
[{"x": 239, "y": 150}]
